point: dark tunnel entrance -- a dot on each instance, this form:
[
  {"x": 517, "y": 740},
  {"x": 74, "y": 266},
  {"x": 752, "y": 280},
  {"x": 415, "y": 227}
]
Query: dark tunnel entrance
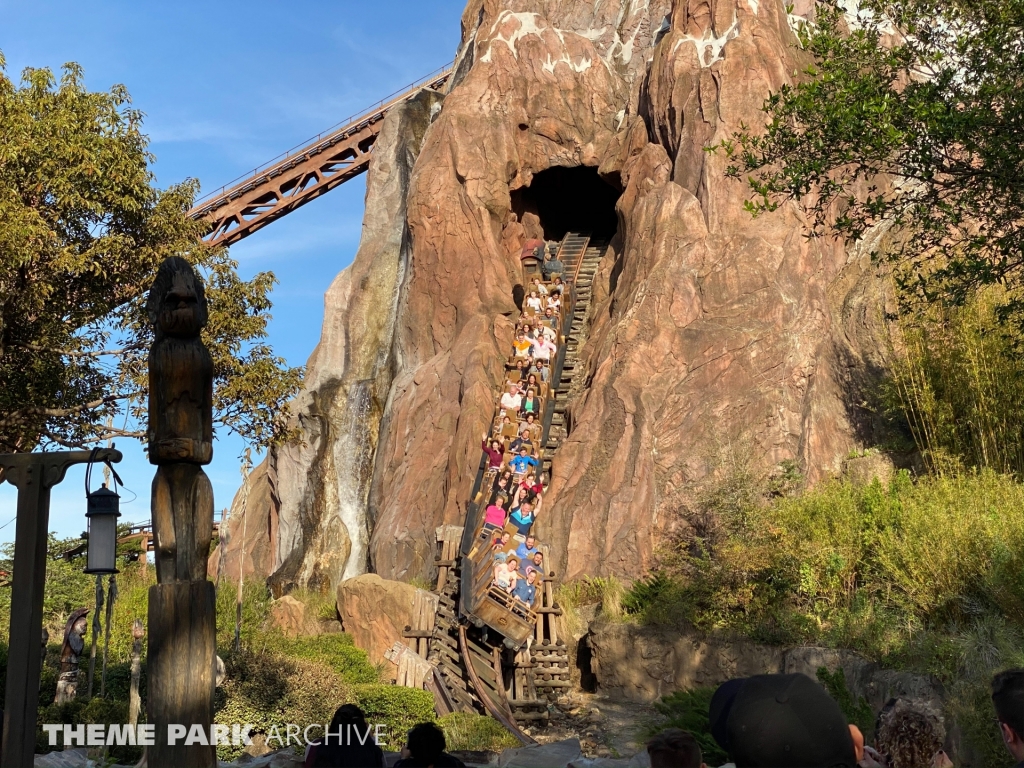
[{"x": 569, "y": 200}]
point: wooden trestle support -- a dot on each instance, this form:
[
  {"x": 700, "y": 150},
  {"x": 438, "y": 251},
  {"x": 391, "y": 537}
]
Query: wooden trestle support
[{"x": 466, "y": 668}]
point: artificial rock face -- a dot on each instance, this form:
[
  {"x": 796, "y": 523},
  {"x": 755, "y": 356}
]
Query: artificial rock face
[{"x": 709, "y": 330}]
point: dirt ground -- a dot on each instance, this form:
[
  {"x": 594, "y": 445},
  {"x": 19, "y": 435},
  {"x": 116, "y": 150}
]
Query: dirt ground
[{"x": 605, "y": 727}]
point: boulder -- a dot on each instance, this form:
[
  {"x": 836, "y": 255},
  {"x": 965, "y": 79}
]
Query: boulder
[
  {"x": 557, "y": 754},
  {"x": 866, "y": 468},
  {"x": 74, "y": 757},
  {"x": 375, "y": 612},
  {"x": 292, "y": 617}
]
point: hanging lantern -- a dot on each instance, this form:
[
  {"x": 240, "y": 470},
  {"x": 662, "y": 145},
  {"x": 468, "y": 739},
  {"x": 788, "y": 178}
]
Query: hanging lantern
[{"x": 102, "y": 513}]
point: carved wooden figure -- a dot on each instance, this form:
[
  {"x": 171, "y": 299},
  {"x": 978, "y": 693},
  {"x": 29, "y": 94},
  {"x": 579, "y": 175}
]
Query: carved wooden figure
[
  {"x": 70, "y": 653},
  {"x": 180, "y": 424},
  {"x": 134, "y": 701},
  {"x": 182, "y": 616}
]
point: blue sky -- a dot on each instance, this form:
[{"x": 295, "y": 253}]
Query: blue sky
[{"x": 226, "y": 86}]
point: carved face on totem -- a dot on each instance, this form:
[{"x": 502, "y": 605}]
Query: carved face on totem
[{"x": 175, "y": 303}]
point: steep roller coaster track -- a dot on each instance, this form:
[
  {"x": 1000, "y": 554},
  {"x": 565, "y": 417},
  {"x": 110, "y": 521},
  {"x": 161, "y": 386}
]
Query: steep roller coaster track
[
  {"x": 303, "y": 173},
  {"x": 483, "y": 651}
]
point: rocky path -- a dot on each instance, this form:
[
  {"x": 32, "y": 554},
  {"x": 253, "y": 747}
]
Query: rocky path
[{"x": 606, "y": 727}]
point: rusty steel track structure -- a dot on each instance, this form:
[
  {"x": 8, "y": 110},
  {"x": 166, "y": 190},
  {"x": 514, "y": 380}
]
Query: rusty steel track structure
[{"x": 303, "y": 173}]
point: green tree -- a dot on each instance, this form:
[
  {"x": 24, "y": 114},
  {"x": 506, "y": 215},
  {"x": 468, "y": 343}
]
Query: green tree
[
  {"x": 82, "y": 232},
  {"x": 911, "y": 113}
]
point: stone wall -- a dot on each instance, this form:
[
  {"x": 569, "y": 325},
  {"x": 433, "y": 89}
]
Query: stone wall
[{"x": 642, "y": 664}]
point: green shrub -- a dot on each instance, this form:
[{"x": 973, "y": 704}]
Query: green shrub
[
  {"x": 643, "y": 594},
  {"x": 469, "y": 731},
  {"x": 690, "y": 710},
  {"x": 855, "y": 710},
  {"x": 397, "y": 707},
  {"x": 266, "y": 689},
  {"x": 958, "y": 387},
  {"x": 256, "y": 599},
  {"x": 81, "y": 711},
  {"x": 337, "y": 650},
  {"x": 868, "y": 568}
]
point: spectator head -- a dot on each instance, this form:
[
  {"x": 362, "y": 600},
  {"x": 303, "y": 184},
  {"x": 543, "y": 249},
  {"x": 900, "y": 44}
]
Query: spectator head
[
  {"x": 512, "y": 389},
  {"x": 1008, "y": 698},
  {"x": 496, "y": 445},
  {"x": 774, "y": 720},
  {"x": 674, "y": 748},
  {"x": 522, "y": 450},
  {"x": 538, "y": 559},
  {"x": 908, "y": 737},
  {"x": 530, "y": 541},
  {"x": 505, "y": 537},
  {"x": 529, "y": 393},
  {"x": 513, "y": 563},
  {"x": 426, "y": 743},
  {"x": 346, "y": 714},
  {"x": 531, "y": 575}
]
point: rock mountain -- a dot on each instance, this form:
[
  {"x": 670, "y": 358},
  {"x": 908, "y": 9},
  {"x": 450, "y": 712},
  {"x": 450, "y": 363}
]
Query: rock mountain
[{"x": 710, "y": 331}]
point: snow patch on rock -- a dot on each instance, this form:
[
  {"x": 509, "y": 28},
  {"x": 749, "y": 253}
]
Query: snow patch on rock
[
  {"x": 581, "y": 66},
  {"x": 527, "y": 26},
  {"x": 710, "y": 49}
]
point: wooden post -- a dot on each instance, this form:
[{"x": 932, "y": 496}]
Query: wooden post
[
  {"x": 111, "y": 597},
  {"x": 96, "y": 629},
  {"x": 182, "y": 617},
  {"x": 134, "y": 702},
  {"x": 33, "y": 474}
]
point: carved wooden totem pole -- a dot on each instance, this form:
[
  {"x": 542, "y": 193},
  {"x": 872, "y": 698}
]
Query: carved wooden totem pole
[
  {"x": 70, "y": 653},
  {"x": 182, "y": 618}
]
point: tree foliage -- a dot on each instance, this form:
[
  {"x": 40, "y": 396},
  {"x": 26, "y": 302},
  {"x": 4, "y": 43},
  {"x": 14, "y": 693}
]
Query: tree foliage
[
  {"x": 82, "y": 232},
  {"x": 911, "y": 113}
]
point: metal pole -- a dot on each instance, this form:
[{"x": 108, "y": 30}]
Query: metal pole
[{"x": 33, "y": 474}]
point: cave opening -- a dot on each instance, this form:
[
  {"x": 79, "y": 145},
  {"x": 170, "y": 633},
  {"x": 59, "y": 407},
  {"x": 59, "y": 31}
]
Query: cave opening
[
  {"x": 584, "y": 663},
  {"x": 569, "y": 200}
]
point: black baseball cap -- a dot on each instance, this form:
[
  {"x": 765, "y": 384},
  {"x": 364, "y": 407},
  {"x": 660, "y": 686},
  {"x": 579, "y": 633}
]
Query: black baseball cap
[{"x": 781, "y": 721}]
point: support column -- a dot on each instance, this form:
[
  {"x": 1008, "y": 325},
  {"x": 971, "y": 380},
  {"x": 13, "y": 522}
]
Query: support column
[
  {"x": 180, "y": 669},
  {"x": 33, "y": 474}
]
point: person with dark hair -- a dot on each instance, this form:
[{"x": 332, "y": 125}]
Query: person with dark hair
[
  {"x": 425, "y": 748},
  {"x": 675, "y": 748},
  {"x": 1008, "y": 698},
  {"x": 768, "y": 721},
  {"x": 348, "y": 743},
  {"x": 552, "y": 266},
  {"x": 495, "y": 454}
]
